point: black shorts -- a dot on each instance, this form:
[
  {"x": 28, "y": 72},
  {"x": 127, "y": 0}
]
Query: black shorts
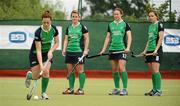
[
  {"x": 118, "y": 56},
  {"x": 157, "y": 58},
  {"x": 73, "y": 57},
  {"x": 34, "y": 61}
]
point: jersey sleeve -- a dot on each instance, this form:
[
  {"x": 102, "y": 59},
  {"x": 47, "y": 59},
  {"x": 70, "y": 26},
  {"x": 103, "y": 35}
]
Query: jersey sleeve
[
  {"x": 84, "y": 29},
  {"x": 56, "y": 31},
  {"x": 37, "y": 35},
  {"x": 67, "y": 31},
  {"x": 128, "y": 28},
  {"x": 108, "y": 30},
  {"x": 160, "y": 27}
]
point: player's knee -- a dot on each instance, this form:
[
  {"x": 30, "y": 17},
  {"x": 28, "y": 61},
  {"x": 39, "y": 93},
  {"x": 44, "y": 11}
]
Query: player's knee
[
  {"x": 114, "y": 69},
  {"x": 46, "y": 74},
  {"x": 81, "y": 71},
  {"x": 35, "y": 77},
  {"x": 122, "y": 69}
]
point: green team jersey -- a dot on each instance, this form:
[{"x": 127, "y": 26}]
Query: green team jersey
[
  {"x": 117, "y": 32},
  {"x": 75, "y": 37},
  {"x": 45, "y": 37},
  {"x": 153, "y": 35}
]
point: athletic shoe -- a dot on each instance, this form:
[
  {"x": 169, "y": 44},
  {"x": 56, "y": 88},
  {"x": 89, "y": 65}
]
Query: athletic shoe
[
  {"x": 150, "y": 93},
  {"x": 79, "y": 92},
  {"x": 28, "y": 80},
  {"x": 44, "y": 96},
  {"x": 114, "y": 92},
  {"x": 68, "y": 91},
  {"x": 157, "y": 93},
  {"x": 123, "y": 92}
]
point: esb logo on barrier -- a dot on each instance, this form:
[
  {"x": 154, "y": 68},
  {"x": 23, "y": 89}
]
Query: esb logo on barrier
[
  {"x": 172, "y": 40},
  {"x": 17, "y": 37}
]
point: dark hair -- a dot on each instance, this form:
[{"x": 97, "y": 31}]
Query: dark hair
[
  {"x": 47, "y": 14},
  {"x": 155, "y": 12},
  {"x": 119, "y": 9},
  {"x": 75, "y": 11}
]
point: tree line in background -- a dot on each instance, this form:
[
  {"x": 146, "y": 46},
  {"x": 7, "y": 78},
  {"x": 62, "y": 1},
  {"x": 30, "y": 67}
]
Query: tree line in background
[
  {"x": 100, "y": 10},
  {"x": 134, "y": 10},
  {"x": 26, "y": 9}
]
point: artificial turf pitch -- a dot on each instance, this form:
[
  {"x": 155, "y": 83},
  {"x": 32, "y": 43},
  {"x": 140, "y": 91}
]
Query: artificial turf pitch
[{"x": 13, "y": 93}]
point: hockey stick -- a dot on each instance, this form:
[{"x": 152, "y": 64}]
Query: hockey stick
[
  {"x": 73, "y": 69},
  {"x": 29, "y": 95},
  {"x": 104, "y": 54},
  {"x": 141, "y": 55}
]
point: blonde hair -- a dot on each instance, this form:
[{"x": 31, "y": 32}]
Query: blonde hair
[{"x": 155, "y": 13}]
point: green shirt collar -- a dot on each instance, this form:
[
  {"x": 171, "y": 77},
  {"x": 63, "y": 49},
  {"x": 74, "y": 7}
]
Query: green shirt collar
[
  {"x": 75, "y": 25},
  {"x": 46, "y": 30},
  {"x": 117, "y": 22},
  {"x": 156, "y": 22}
]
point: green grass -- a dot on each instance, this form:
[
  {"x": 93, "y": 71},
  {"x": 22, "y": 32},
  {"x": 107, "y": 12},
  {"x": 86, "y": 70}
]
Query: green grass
[{"x": 13, "y": 93}]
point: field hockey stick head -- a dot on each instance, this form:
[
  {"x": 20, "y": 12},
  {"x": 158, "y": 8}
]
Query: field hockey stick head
[{"x": 28, "y": 96}]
